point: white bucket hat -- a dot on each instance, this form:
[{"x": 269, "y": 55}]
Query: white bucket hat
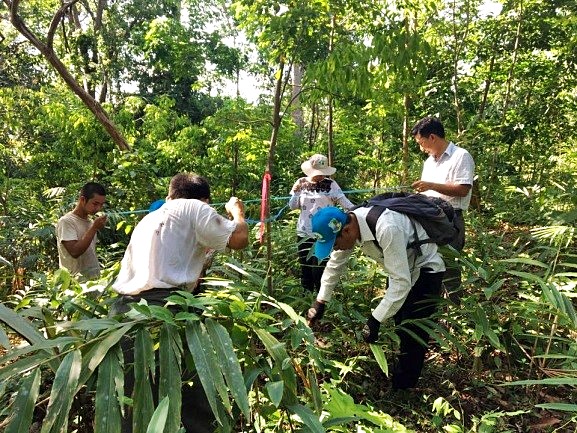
[{"x": 317, "y": 165}]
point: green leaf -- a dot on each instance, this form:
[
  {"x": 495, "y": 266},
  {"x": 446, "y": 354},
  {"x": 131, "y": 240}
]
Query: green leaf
[
  {"x": 4, "y": 340},
  {"x": 527, "y": 276},
  {"x": 525, "y": 261},
  {"x": 275, "y": 391},
  {"x": 340, "y": 404},
  {"x": 571, "y": 381},
  {"x": 380, "y": 357},
  {"x": 308, "y": 418},
  {"x": 565, "y": 407},
  {"x": 144, "y": 366},
  {"x": 26, "y": 330},
  {"x": 229, "y": 364},
  {"x": 59, "y": 342},
  {"x": 161, "y": 313},
  {"x": 488, "y": 291},
  {"x": 205, "y": 361},
  {"x": 98, "y": 351},
  {"x": 107, "y": 406},
  {"x": 22, "y": 366},
  {"x": 92, "y": 325},
  {"x": 62, "y": 393},
  {"x": 24, "y": 403},
  {"x": 289, "y": 311},
  {"x": 159, "y": 416},
  {"x": 170, "y": 374},
  {"x": 570, "y": 310},
  {"x": 282, "y": 363},
  {"x": 315, "y": 390}
]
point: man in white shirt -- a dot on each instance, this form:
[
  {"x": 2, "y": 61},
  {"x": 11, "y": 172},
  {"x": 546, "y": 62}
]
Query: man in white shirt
[
  {"x": 167, "y": 252},
  {"x": 414, "y": 280},
  {"x": 76, "y": 233},
  {"x": 448, "y": 173}
]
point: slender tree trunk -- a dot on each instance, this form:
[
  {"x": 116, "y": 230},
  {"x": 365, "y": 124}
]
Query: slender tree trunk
[
  {"x": 312, "y": 128},
  {"x": 406, "y": 103},
  {"x": 276, "y": 122},
  {"x": 47, "y": 50},
  {"x": 459, "y": 42},
  {"x": 488, "y": 82},
  {"x": 297, "y": 111},
  {"x": 330, "y": 145},
  {"x": 513, "y": 64}
]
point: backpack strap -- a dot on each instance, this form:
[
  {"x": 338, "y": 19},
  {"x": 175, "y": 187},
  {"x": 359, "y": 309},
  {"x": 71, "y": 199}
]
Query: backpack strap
[{"x": 372, "y": 218}]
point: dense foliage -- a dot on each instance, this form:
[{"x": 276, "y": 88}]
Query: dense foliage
[{"x": 352, "y": 78}]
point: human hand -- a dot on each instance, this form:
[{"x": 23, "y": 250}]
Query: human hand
[
  {"x": 371, "y": 330},
  {"x": 235, "y": 207},
  {"x": 315, "y": 313},
  {"x": 99, "y": 222},
  {"x": 420, "y": 186}
]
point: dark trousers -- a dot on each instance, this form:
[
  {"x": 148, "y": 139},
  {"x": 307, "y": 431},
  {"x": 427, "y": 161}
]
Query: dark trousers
[
  {"x": 452, "y": 279},
  {"x": 311, "y": 268},
  {"x": 196, "y": 413},
  {"x": 421, "y": 303}
]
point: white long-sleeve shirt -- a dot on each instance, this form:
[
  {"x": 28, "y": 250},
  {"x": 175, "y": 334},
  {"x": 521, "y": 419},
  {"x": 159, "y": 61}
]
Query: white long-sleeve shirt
[
  {"x": 309, "y": 197},
  {"x": 394, "y": 231}
]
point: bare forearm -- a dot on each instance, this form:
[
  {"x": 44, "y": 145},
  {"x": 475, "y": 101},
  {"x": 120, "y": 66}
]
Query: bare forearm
[
  {"x": 78, "y": 247},
  {"x": 450, "y": 189}
]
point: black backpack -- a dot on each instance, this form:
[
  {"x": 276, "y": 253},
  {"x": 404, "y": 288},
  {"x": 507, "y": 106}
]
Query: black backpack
[{"x": 434, "y": 214}]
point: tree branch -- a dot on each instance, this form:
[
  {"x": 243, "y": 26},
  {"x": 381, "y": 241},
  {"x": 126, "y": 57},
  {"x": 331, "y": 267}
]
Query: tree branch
[{"x": 48, "y": 52}]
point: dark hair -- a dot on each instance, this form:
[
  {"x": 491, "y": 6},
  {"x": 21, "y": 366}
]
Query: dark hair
[
  {"x": 427, "y": 126},
  {"x": 347, "y": 221},
  {"x": 90, "y": 189},
  {"x": 189, "y": 185}
]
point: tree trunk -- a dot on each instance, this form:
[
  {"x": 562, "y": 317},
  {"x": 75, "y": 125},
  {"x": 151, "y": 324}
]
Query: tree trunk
[
  {"x": 47, "y": 50},
  {"x": 406, "y": 101},
  {"x": 330, "y": 145},
  {"x": 513, "y": 64},
  {"x": 276, "y": 122},
  {"x": 457, "y": 49},
  {"x": 297, "y": 111},
  {"x": 488, "y": 82}
]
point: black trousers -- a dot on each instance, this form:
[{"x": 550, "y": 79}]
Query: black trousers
[
  {"x": 452, "y": 279},
  {"x": 196, "y": 413},
  {"x": 421, "y": 303},
  {"x": 311, "y": 268}
]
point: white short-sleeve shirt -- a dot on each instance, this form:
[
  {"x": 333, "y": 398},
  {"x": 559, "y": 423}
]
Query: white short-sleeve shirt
[
  {"x": 71, "y": 227},
  {"x": 168, "y": 246},
  {"x": 456, "y": 166}
]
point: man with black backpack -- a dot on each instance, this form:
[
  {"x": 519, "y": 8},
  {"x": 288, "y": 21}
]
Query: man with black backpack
[
  {"x": 447, "y": 173},
  {"x": 415, "y": 276}
]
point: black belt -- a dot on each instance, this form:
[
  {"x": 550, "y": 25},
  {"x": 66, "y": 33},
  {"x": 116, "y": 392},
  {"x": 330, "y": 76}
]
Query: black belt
[
  {"x": 458, "y": 211},
  {"x": 154, "y": 296}
]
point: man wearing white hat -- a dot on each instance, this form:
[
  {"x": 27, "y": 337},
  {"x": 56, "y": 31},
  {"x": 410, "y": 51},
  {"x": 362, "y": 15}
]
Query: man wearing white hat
[{"x": 309, "y": 194}]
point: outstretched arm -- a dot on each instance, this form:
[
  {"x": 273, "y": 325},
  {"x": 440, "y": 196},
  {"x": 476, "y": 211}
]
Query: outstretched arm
[
  {"x": 239, "y": 237},
  {"x": 450, "y": 189}
]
